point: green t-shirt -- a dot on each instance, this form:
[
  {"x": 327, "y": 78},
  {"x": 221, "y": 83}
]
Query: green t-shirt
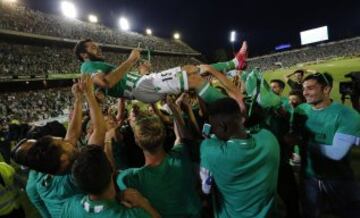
[
  {"x": 322, "y": 125},
  {"x": 123, "y": 88},
  {"x": 170, "y": 186},
  {"x": 245, "y": 172},
  {"x": 80, "y": 206},
  {"x": 33, "y": 194},
  {"x": 49, "y": 193}
]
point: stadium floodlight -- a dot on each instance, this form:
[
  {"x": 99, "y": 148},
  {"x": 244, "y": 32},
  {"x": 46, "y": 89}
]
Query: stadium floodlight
[
  {"x": 124, "y": 24},
  {"x": 9, "y": 1},
  {"x": 232, "y": 36},
  {"x": 68, "y": 9},
  {"x": 93, "y": 18},
  {"x": 176, "y": 35},
  {"x": 148, "y": 31}
]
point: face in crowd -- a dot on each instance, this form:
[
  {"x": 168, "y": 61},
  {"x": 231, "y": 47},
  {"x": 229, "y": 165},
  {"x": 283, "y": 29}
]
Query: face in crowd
[
  {"x": 53, "y": 155},
  {"x": 317, "y": 88}
]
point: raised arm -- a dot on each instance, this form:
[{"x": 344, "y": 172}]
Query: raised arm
[
  {"x": 184, "y": 100},
  {"x": 230, "y": 88},
  {"x": 74, "y": 129},
  {"x": 288, "y": 76},
  {"x": 98, "y": 135},
  {"x": 112, "y": 78},
  {"x": 121, "y": 116},
  {"x": 164, "y": 118}
]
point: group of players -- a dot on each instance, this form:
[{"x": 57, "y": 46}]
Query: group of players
[{"x": 243, "y": 158}]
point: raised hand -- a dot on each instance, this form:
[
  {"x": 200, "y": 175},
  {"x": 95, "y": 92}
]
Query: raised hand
[
  {"x": 132, "y": 198},
  {"x": 134, "y": 55},
  {"x": 76, "y": 90},
  {"x": 87, "y": 85}
]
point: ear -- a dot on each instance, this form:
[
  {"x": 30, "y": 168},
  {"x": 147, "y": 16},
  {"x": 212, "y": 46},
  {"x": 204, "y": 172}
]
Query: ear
[{"x": 327, "y": 90}]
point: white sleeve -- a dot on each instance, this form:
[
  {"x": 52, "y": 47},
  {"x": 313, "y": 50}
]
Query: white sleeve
[
  {"x": 341, "y": 145},
  {"x": 206, "y": 180}
]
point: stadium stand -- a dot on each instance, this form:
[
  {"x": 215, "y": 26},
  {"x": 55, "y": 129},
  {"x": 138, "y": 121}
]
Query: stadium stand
[
  {"x": 18, "y": 59},
  {"x": 21, "y": 19},
  {"x": 343, "y": 48},
  {"x": 40, "y": 105}
]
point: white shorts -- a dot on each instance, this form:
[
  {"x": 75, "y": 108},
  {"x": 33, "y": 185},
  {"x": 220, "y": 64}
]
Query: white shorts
[{"x": 154, "y": 87}]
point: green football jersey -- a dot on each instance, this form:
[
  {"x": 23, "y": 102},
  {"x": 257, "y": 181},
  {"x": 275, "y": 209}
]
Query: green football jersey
[
  {"x": 123, "y": 88},
  {"x": 245, "y": 172},
  {"x": 50, "y": 192},
  {"x": 322, "y": 125},
  {"x": 80, "y": 206},
  {"x": 170, "y": 186}
]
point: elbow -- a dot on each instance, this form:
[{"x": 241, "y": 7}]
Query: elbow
[
  {"x": 337, "y": 157},
  {"x": 108, "y": 84}
]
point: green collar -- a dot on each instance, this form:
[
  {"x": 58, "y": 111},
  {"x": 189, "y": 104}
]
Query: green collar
[
  {"x": 91, "y": 206},
  {"x": 246, "y": 143}
]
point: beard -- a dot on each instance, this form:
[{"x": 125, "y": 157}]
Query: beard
[{"x": 95, "y": 58}]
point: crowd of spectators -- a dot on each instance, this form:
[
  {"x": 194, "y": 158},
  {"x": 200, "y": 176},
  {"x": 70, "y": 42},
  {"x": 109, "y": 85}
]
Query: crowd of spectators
[
  {"x": 21, "y": 19},
  {"x": 19, "y": 59},
  {"x": 344, "y": 48},
  {"x": 33, "y": 106}
]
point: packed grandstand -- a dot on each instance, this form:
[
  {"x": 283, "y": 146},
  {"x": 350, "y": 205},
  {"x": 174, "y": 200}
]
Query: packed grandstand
[
  {"x": 54, "y": 55},
  {"x": 43, "y": 90}
]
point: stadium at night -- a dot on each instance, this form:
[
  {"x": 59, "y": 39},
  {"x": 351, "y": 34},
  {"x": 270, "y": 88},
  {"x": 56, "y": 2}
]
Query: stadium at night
[{"x": 179, "y": 109}]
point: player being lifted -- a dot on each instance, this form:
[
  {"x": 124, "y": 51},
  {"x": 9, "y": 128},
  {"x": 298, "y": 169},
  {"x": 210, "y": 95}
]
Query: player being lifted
[{"x": 116, "y": 81}]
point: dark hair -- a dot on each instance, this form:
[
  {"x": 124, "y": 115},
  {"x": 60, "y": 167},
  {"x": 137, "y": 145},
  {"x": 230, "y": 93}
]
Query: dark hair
[
  {"x": 298, "y": 93},
  {"x": 149, "y": 133},
  {"x": 299, "y": 71},
  {"x": 278, "y": 81},
  {"x": 225, "y": 117},
  {"x": 324, "y": 79},
  {"x": 53, "y": 128},
  {"x": 92, "y": 170},
  {"x": 224, "y": 106},
  {"x": 225, "y": 110},
  {"x": 81, "y": 48},
  {"x": 44, "y": 156}
]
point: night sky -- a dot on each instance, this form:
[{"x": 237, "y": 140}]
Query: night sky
[{"x": 205, "y": 24}]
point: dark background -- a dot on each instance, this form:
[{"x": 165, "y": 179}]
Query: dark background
[{"x": 205, "y": 24}]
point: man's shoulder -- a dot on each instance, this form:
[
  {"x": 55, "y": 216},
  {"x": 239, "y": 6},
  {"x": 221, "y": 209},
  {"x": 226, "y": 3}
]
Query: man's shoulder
[
  {"x": 336, "y": 106},
  {"x": 303, "y": 109},
  {"x": 124, "y": 176},
  {"x": 264, "y": 135},
  {"x": 72, "y": 206},
  {"x": 95, "y": 67}
]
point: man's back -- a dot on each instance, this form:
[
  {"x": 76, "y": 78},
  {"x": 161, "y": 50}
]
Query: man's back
[
  {"x": 50, "y": 192},
  {"x": 245, "y": 172},
  {"x": 80, "y": 206},
  {"x": 170, "y": 186}
]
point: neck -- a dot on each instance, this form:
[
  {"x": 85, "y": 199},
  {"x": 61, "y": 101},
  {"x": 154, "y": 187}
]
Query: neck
[
  {"x": 322, "y": 104},
  {"x": 109, "y": 194},
  {"x": 154, "y": 159},
  {"x": 241, "y": 134}
]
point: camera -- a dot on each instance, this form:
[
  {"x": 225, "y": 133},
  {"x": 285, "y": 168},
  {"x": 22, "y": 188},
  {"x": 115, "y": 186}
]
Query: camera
[{"x": 352, "y": 89}]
